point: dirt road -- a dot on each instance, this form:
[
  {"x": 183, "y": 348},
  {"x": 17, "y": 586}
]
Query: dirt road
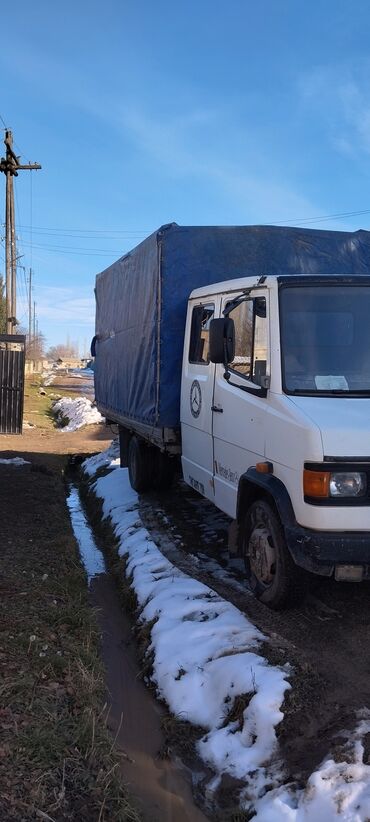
[{"x": 55, "y": 445}]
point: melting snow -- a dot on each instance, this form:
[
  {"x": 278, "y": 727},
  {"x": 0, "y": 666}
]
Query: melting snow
[
  {"x": 336, "y": 792},
  {"x": 15, "y": 461},
  {"x": 205, "y": 655},
  {"x": 79, "y": 412},
  {"x": 106, "y": 459},
  {"x": 205, "y": 651}
]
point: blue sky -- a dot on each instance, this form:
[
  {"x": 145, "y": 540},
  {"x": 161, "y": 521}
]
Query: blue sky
[{"x": 143, "y": 113}]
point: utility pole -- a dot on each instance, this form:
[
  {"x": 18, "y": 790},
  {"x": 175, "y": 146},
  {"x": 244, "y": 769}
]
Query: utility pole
[
  {"x": 10, "y": 166},
  {"x": 8, "y": 254},
  {"x": 30, "y": 307},
  {"x": 34, "y": 320}
]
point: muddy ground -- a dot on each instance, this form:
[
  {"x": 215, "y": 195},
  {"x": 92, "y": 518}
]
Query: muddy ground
[{"x": 325, "y": 640}]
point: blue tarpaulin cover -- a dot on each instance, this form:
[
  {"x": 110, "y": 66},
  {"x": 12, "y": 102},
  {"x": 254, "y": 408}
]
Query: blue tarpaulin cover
[{"x": 141, "y": 302}]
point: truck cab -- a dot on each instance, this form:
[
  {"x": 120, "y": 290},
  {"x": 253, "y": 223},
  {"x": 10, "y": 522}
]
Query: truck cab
[{"x": 275, "y": 423}]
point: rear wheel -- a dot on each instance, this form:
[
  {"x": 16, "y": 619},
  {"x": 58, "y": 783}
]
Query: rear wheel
[
  {"x": 273, "y": 576},
  {"x": 124, "y": 442},
  {"x": 140, "y": 465}
]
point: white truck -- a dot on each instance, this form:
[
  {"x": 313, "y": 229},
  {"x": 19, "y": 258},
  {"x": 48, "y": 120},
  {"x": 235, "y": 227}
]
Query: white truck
[{"x": 270, "y": 410}]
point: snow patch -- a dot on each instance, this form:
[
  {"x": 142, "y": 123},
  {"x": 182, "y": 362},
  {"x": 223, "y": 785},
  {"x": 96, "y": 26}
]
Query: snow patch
[
  {"x": 79, "y": 412},
  {"x": 206, "y": 655},
  {"x": 47, "y": 377},
  {"x": 337, "y": 791},
  {"x": 15, "y": 461},
  {"x": 205, "y": 651},
  {"x": 106, "y": 459}
]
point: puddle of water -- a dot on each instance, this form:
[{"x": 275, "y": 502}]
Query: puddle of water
[
  {"x": 91, "y": 556},
  {"x": 161, "y": 787}
]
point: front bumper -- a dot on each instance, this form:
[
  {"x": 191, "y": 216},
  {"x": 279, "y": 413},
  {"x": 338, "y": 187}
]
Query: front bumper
[{"x": 322, "y": 551}]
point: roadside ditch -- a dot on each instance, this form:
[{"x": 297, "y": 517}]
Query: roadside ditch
[
  {"x": 314, "y": 718},
  {"x": 177, "y": 742},
  {"x": 156, "y": 775},
  {"x": 175, "y": 747}
]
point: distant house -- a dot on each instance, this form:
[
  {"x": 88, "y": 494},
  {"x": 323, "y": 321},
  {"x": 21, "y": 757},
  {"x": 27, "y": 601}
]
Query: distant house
[
  {"x": 70, "y": 362},
  {"x": 36, "y": 366}
]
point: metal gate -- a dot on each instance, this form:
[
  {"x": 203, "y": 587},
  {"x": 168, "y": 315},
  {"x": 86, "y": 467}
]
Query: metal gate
[{"x": 12, "y": 358}]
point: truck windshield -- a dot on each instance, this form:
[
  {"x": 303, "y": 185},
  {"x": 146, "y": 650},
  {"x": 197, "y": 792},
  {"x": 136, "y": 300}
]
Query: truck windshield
[{"x": 325, "y": 339}]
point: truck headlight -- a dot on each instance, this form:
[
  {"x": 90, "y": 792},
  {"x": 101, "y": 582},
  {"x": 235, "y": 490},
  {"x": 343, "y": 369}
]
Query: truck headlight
[
  {"x": 321, "y": 484},
  {"x": 349, "y": 484}
]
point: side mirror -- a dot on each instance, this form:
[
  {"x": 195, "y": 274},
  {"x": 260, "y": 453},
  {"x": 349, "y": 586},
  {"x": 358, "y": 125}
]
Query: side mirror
[{"x": 222, "y": 340}]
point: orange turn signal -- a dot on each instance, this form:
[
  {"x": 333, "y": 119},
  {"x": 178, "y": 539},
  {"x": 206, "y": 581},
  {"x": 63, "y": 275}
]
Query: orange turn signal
[{"x": 316, "y": 483}]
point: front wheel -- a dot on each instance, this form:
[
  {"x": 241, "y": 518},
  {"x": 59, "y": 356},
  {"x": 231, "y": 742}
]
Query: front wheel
[{"x": 273, "y": 576}]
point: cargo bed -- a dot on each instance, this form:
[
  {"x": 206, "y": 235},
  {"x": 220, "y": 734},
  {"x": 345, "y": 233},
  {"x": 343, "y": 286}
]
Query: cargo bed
[{"x": 141, "y": 304}]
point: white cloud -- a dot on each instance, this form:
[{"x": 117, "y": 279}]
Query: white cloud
[
  {"x": 66, "y": 305},
  {"x": 340, "y": 96},
  {"x": 203, "y": 142},
  {"x": 184, "y": 152}
]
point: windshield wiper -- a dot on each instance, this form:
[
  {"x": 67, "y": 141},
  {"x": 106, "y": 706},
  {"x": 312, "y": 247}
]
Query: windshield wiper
[{"x": 235, "y": 302}]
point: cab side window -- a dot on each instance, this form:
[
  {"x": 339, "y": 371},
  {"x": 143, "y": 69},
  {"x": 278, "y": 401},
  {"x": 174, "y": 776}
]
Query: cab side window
[
  {"x": 242, "y": 315},
  {"x": 250, "y": 339},
  {"x": 199, "y": 334}
]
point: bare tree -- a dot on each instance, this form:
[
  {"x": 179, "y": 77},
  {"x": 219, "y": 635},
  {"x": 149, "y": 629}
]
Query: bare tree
[
  {"x": 62, "y": 352},
  {"x": 35, "y": 348}
]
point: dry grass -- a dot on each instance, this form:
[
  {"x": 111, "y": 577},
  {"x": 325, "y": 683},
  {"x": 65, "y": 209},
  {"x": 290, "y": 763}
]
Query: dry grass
[
  {"x": 37, "y": 407},
  {"x": 236, "y": 710},
  {"x": 56, "y": 755}
]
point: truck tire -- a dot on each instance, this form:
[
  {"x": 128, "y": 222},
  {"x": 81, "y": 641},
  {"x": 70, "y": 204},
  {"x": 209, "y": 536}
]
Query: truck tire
[
  {"x": 140, "y": 465},
  {"x": 124, "y": 441},
  {"x": 163, "y": 472},
  {"x": 272, "y": 575}
]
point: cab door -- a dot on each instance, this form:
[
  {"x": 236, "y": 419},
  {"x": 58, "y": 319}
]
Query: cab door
[
  {"x": 239, "y": 422},
  {"x": 198, "y": 377}
]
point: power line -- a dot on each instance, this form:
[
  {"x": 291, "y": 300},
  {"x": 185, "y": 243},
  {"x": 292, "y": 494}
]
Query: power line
[
  {"x": 137, "y": 233},
  {"x": 21, "y": 287},
  {"x": 31, "y": 217},
  {"x": 66, "y": 250},
  {"x": 341, "y": 215},
  {"x": 73, "y": 248},
  {"x": 88, "y": 231},
  {"x": 43, "y": 233},
  {"x": 3, "y": 121}
]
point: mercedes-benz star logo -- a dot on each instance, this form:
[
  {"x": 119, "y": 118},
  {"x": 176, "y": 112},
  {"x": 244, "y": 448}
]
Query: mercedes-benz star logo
[{"x": 195, "y": 398}]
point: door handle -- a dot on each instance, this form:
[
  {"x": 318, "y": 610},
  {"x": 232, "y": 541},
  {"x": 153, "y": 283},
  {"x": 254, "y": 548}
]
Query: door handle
[{"x": 217, "y": 408}]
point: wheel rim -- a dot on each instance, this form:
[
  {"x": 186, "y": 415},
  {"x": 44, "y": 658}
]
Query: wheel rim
[{"x": 262, "y": 554}]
